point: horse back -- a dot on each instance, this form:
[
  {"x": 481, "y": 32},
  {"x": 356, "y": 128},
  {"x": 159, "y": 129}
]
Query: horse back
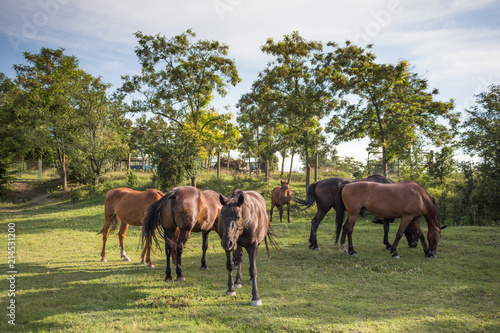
[
  {"x": 254, "y": 215},
  {"x": 386, "y": 200},
  {"x": 209, "y": 211},
  {"x": 130, "y": 205},
  {"x": 326, "y": 191}
]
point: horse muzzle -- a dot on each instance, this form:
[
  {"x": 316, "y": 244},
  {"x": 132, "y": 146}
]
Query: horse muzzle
[{"x": 228, "y": 244}]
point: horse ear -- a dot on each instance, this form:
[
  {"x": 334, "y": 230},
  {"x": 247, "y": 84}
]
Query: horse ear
[
  {"x": 282, "y": 182},
  {"x": 241, "y": 199},
  {"x": 222, "y": 200}
]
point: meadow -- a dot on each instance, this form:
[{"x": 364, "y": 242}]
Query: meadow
[{"x": 61, "y": 285}]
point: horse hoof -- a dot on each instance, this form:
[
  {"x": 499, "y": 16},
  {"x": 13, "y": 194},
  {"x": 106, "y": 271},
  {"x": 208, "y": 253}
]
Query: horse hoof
[
  {"x": 143, "y": 263},
  {"x": 432, "y": 256},
  {"x": 238, "y": 285},
  {"x": 395, "y": 257},
  {"x": 151, "y": 266},
  {"x": 345, "y": 253},
  {"x": 126, "y": 259},
  {"x": 104, "y": 260},
  {"x": 354, "y": 254},
  {"x": 181, "y": 278},
  {"x": 257, "y": 302},
  {"x": 231, "y": 293},
  {"x": 168, "y": 279},
  {"x": 204, "y": 268}
]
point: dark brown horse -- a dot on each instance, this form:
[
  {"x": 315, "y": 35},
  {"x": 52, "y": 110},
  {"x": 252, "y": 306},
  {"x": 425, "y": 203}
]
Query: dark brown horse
[
  {"x": 406, "y": 200},
  {"x": 184, "y": 208},
  {"x": 324, "y": 193},
  {"x": 243, "y": 223},
  {"x": 128, "y": 207},
  {"x": 281, "y": 196}
]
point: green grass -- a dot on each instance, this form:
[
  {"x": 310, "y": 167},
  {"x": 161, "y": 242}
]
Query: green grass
[{"x": 61, "y": 285}]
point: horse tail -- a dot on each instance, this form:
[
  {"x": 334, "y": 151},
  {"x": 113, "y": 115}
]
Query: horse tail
[
  {"x": 339, "y": 219},
  {"x": 272, "y": 240},
  {"x": 151, "y": 222},
  {"x": 114, "y": 225},
  {"x": 310, "y": 198}
]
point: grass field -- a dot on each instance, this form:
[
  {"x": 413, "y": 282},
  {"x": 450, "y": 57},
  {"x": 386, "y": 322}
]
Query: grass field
[{"x": 61, "y": 285}]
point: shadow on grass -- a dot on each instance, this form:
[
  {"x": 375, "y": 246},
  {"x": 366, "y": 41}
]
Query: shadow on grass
[{"x": 51, "y": 293}]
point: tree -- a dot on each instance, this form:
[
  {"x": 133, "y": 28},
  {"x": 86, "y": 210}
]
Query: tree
[
  {"x": 95, "y": 142},
  {"x": 292, "y": 88},
  {"x": 481, "y": 136},
  {"x": 387, "y": 103},
  {"x": 179, "y": 78}
]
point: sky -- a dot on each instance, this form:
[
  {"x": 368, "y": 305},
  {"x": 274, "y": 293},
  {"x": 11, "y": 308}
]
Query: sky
[{"x": 454, "y": 44}]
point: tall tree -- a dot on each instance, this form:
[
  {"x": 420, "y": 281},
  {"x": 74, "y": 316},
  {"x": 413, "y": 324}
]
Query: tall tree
[
  {"x": 391, "y": 105},
  {"x": 481, "y": 137},
  {"x": 95, "y": 142},
  {"x": 48, "y": 89},
  {"x": 179, "y": 78},
  {"x": 293, "y": 86}
]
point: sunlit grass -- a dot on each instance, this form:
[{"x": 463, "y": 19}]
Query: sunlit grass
[{"x": 63, "y": 287}]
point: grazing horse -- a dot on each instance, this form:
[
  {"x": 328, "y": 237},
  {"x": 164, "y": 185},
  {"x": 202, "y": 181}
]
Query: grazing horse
[
  {"x": 325, "y": 192},
  {"x": 186, "y": 209},
  {"x": 406, "y": 200},
  {"x": 281, "y": 196},
  {"x": 127, "y": 206},
  {"x": 243, "y": 223}
]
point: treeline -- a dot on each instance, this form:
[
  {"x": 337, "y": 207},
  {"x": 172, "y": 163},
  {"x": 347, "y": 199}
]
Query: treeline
[{"x": 53, "y": 109}]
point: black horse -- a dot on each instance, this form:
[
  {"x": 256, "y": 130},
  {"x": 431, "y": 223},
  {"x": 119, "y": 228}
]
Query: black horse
[{"x": 324, "y": 193}]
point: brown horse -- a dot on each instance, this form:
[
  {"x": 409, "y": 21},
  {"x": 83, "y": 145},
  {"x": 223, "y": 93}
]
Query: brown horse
[
  {"x": 184, "y": 208},
  {"x": 281, "y": 196},
  {"x": 243, "y": 223},
  {"x": 127, "y": 206},
  {"x": 325, "y": 192},
  {"x": 406, "y": 200}
]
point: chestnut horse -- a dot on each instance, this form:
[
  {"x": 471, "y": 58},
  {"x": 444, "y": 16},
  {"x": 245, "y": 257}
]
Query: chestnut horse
[
  {"x": 281, "y": 196},
  {"x": 127, "y": 206},
  {"x": 406, "y": 200},
  {"x": 325, "y": 192},
  {"x": 187, "y": 209},
  {"x": 243, "y": 223}
]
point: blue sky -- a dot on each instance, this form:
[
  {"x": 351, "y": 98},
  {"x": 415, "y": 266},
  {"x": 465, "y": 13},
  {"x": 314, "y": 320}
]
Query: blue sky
[{"x": 454, "y": 44}]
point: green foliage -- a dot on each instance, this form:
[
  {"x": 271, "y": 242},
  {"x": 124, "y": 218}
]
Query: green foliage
[
  {"x": 132, "y": 179},
  {"x": 482, "y": 137},
  {"x": 393, "y": 104}
]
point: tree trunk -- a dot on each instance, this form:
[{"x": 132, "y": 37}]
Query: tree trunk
[
  {"x": 267, "y": 172},
  {"x": 384, "y": 162},
  {"x": 291, "y": 166},
  {"x": 218, "y": 164},
  {"x": 282, "y": 164},
  {"x": 316, "y": 168}
]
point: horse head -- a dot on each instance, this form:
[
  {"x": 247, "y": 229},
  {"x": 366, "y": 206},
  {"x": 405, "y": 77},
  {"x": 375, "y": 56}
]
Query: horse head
[
  {"x": 230, "y": 220},
  {"x": 286, "y": 191}
]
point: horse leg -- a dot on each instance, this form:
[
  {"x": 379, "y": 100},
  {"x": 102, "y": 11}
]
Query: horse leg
[
  {"x": 238, "y": 261},
  {"x": 349, "y": 228},
  {"x": 252, "y": 258},
  {"x": 181, "y": 243},
  {"x": 420, "y": 234},
  {"x": 272, "y": 207},
  {"x": 168, "y": 252},
  {"x": 411, "y": 235},
  {"x": 288, "y": 212},
  {"x": 175, "y": 239},
  {"x": 121, "y": 238},
  {"x": 204, "y": 248},
  {"x": 105, "y": 233},
  {"x": 386, "y": 233},
  {"x": 313, "y": 240},
  {"x": 230, "y": 265},
  {"x": 281, "y": 213},
  {"x": 405, "y": 220}
]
